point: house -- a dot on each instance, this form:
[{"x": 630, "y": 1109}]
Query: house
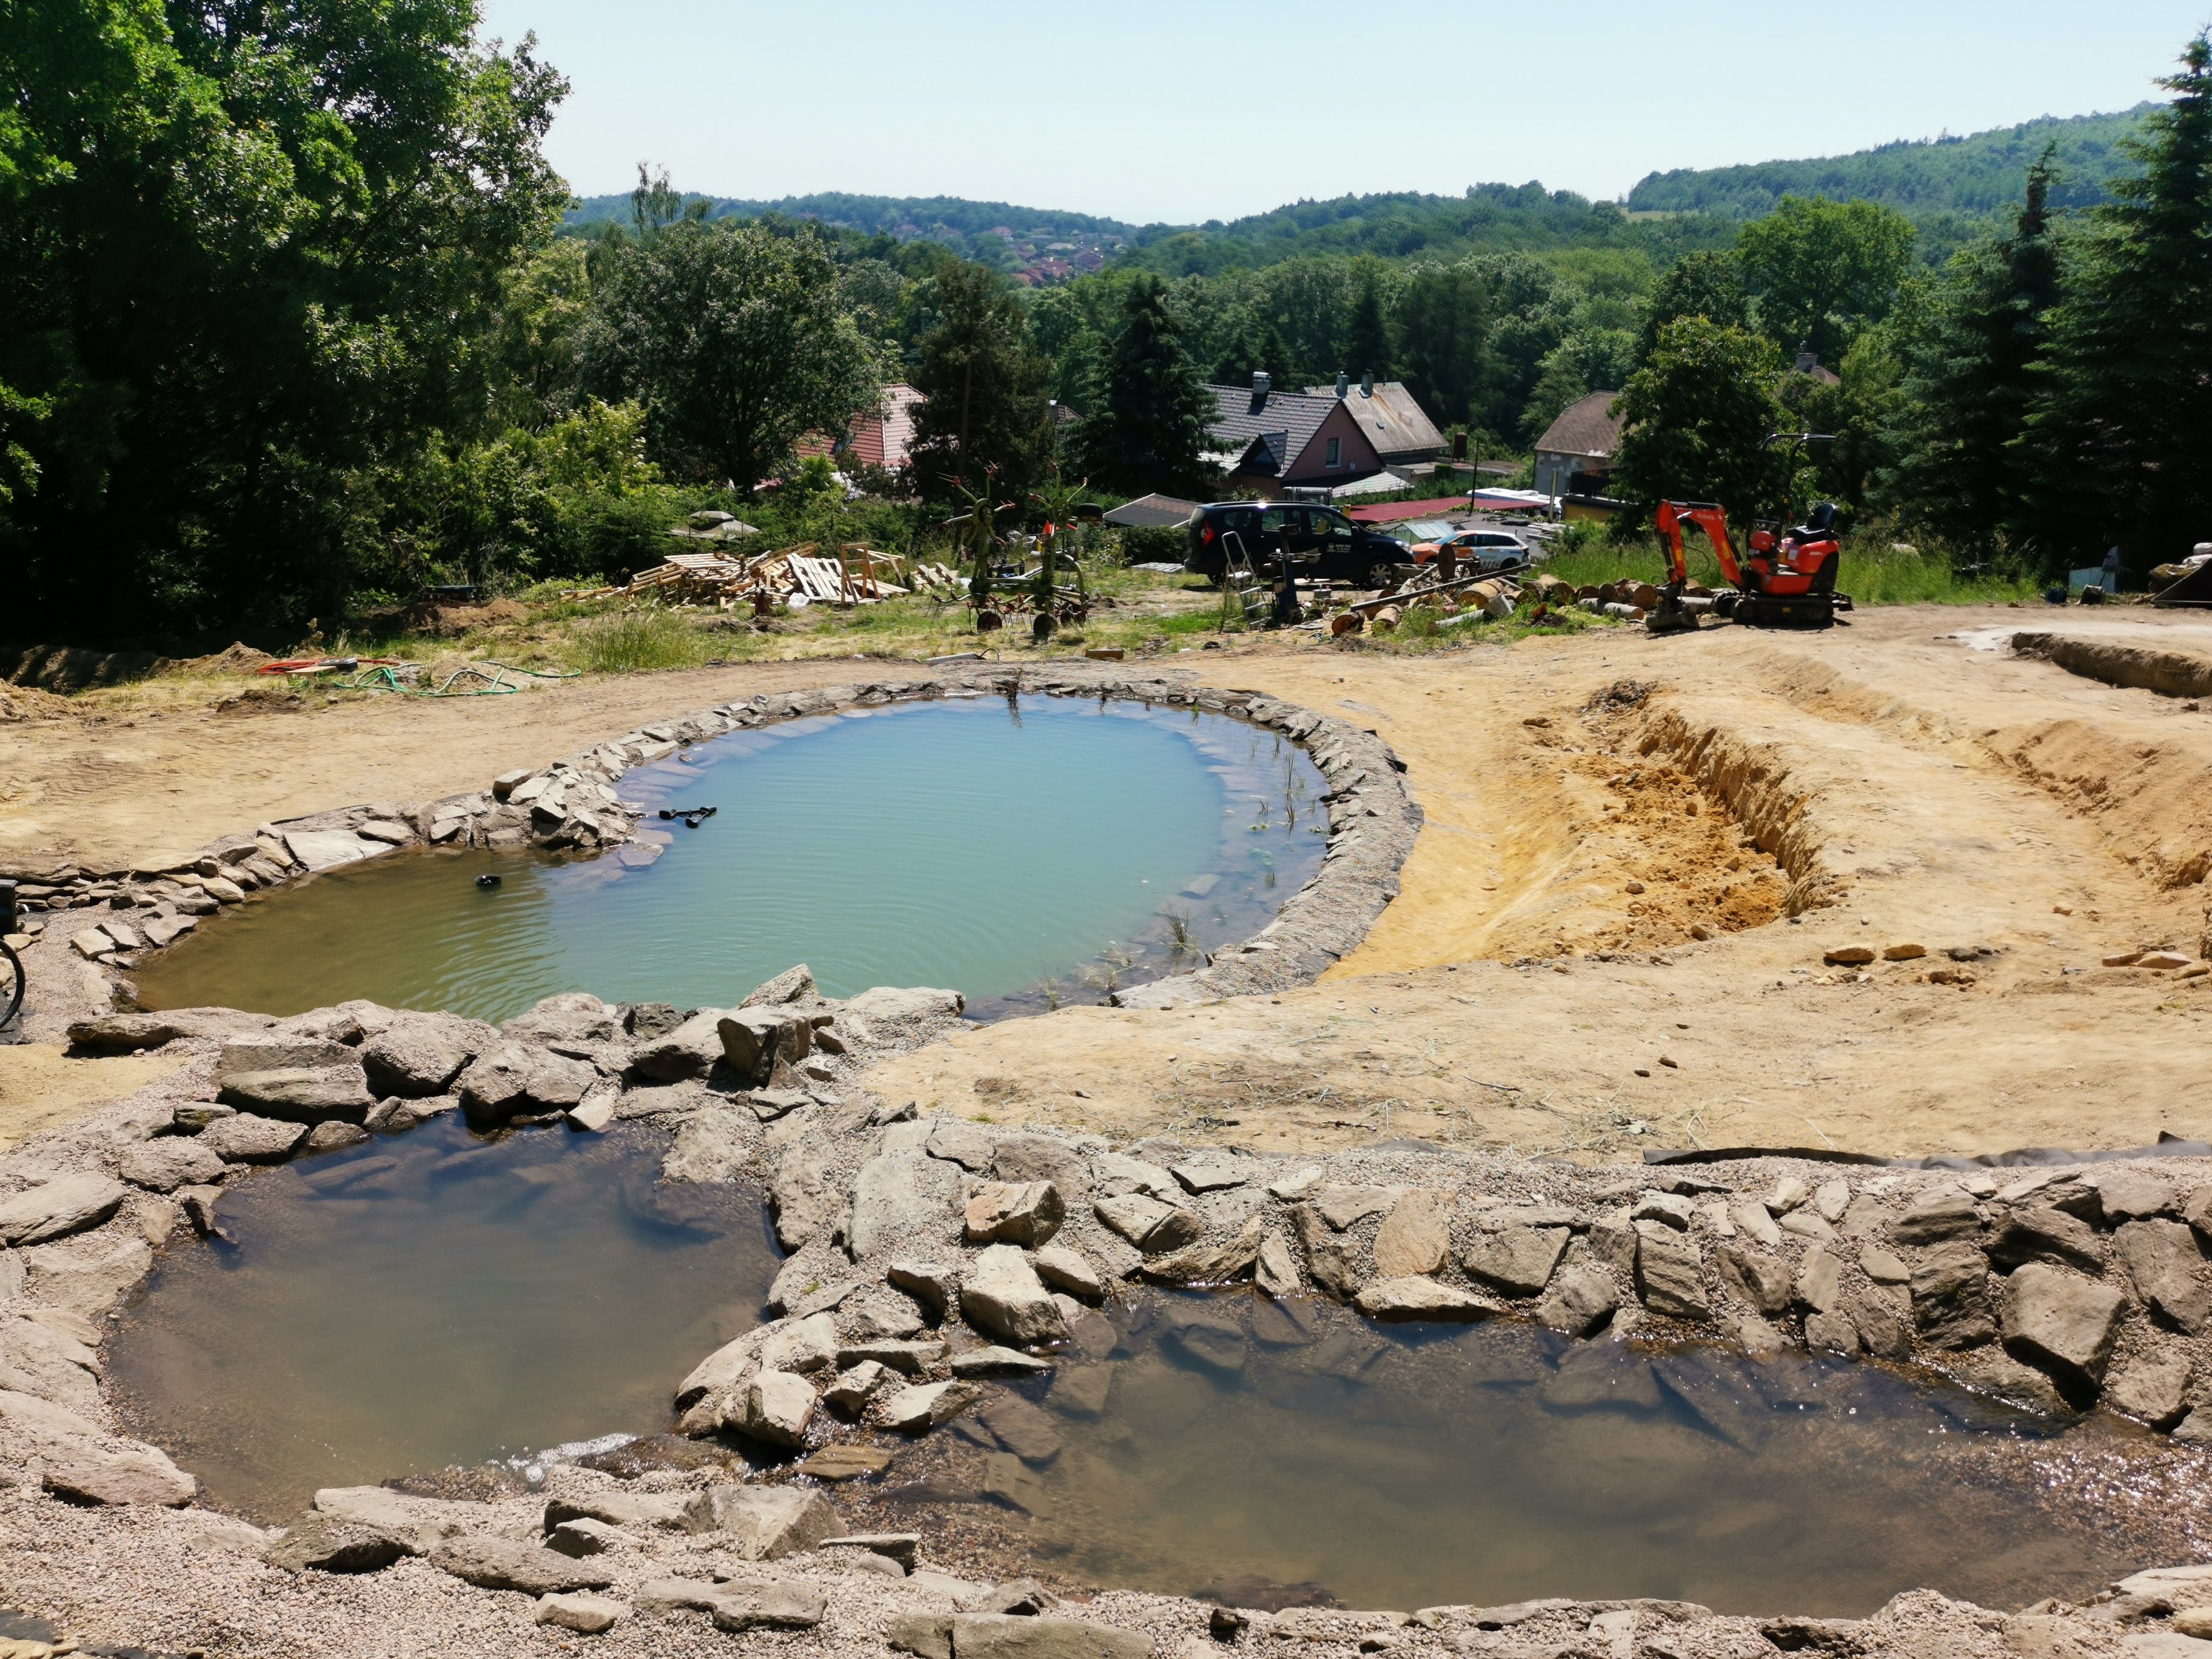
[
  {"x": 1266, "y": 438},
  {"x": 1575, "y": 453},
  {"x": 882, "y": 437},
  {"x": 1399, "y": 428},
  {"x": 1809, "y": 365}
]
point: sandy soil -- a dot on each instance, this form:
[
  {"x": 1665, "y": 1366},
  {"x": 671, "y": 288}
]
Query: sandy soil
[
  {"x": 41, "y": 1085},
  {"x": 1594, "y": 803}
]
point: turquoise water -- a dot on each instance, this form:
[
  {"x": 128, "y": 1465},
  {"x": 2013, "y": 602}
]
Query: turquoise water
[{"x": 1021, "y": 854}]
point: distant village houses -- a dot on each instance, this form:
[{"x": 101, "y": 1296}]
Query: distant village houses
[{"x": 1576, "y": 455}]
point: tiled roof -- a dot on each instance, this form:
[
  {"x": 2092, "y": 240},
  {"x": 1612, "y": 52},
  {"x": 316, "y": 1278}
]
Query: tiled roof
[
  {"x": 1585, "y": 427},
  {"x": 1393, "y": 420},
  {"x": 1285, "y": 420},
  {"x": 1151, "y": 513}
]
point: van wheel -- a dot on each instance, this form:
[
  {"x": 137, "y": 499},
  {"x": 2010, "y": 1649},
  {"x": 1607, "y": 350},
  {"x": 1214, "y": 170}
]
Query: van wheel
[{"x": 1376, "y": 577}]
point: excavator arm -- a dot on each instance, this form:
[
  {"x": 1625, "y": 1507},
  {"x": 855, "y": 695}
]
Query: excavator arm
[{"x": 1707, "y": 516}]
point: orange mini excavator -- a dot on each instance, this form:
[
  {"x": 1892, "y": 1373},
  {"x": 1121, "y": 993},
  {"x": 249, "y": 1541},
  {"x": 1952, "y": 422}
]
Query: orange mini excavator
[{"x": 1787, "y": 579}]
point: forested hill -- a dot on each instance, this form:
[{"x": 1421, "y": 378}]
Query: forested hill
[
  {"x": 1972, "y": 176},
  {"x": 996, "y": 232},
  {"x": 1487, "y": 219}
]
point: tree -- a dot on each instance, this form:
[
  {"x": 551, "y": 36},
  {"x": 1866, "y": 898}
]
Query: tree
[
  {"x": 1971, "y": 371},
  {"x": 1442, "y": 327},
  {"x": 1148, "y": 414},
  {"x": 986, "y": 384},
  {"x": 1366, "y": 339},
  {"x": 734, "y": 341},
  {"x": 1587, "y": 361},
  {"x": 1822, "y": 271},
  {"x": 1253, "y": 349},
  {"x": 247, "y": 252},
  {"x": 1708, "y": 285},
  {"x": 1697, "y": 417},
  {"x": 2121, "y": 422}
]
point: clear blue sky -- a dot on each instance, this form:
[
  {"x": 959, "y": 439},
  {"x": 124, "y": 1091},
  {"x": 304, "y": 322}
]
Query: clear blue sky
[{"x": 1144, "y": 110}]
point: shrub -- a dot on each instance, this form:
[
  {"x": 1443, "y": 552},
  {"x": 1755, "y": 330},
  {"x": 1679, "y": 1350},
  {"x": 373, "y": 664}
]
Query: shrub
[{"x": 1166, "y": 544}]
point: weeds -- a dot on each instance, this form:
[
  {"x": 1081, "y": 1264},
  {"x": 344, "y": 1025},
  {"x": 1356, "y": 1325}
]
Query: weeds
[{"x": 631, "y": 641}]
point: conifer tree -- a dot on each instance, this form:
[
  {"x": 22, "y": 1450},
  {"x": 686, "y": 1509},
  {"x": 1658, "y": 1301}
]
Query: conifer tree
[
  {"x": 2119, "y": 431},
  {"x": 1147, "y": 414}
]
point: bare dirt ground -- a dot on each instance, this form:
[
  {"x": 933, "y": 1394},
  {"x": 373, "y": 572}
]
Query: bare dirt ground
[{"x": 1612, "y": 930}]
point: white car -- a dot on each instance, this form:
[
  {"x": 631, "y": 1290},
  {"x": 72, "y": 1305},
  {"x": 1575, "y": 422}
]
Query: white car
[{"x": 1485, "y": 549}]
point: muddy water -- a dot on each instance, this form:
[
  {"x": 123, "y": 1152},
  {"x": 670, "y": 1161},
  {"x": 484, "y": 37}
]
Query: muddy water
[
  {"x": 431, "y": 1299},
  {"x": 1023, "y": 854},
  {"x": 1273, "y": 1466}
]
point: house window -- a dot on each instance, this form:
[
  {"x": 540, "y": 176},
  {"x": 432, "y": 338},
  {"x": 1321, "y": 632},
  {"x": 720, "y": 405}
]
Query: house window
[{"x": 1336, "y": 451}]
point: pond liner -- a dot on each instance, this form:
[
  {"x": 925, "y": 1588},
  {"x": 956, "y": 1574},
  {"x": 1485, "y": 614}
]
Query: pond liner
[{"x": 2168, "y": 1146}]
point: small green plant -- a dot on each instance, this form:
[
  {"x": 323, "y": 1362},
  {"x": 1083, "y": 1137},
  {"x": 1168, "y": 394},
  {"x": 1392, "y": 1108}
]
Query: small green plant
[
  {"x": 633, "y": 641},
  {"x": 1178, "y": 931}
]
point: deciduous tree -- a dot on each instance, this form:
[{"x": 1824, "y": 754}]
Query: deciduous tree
[
  {"x": 1698, "y": 415},
  {"x": 1822, "y": 271}
]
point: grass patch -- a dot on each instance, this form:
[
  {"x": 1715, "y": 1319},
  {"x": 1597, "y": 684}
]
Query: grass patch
[
  {"x": 1874, "y": 570},
  {"x": 632, "y": 641}
]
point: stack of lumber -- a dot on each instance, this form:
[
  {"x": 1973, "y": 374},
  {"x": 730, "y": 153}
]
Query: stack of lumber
[{"x": 851, "y": 575}]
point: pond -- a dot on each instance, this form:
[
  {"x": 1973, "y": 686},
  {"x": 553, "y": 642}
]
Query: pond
[
  {"x": 1273, "y": 1455},
  {"x": 1025, "y": 854},
  {"x": 430, "y": 1299}
]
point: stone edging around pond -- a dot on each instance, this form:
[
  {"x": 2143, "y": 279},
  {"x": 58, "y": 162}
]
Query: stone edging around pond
[
  {"x": 928, "y": 1254},
  {"x": 572, "y": 803}
]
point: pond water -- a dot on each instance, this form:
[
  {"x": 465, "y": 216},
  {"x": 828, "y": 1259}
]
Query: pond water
[
  {"x": 433, "y": 1298},
  {"x": 1024, "y": 855},
  {"x": 1410, "y": 1467}
]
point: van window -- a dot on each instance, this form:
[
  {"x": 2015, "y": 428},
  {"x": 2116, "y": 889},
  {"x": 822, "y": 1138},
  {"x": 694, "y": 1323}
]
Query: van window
[
  {"x": 1274, "y": 520},
  {"x": 1327, "y": 521}
]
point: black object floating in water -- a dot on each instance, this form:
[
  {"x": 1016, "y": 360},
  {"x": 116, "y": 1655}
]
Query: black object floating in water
[
  {"x": 693, "y": 816},
  {"x": 487, "y": 881}
]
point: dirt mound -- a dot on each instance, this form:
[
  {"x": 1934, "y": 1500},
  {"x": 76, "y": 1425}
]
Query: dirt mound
[
  {"x": 24, "y": 702},
  {"x": 236, "y": 658}
]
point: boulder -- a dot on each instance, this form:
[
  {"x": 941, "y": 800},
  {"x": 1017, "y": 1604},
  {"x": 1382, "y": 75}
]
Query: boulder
[
  {"x": 169, "y": 1162},
  {"x": 301, "y": 1081},
  {"x": 1820, "y": 1284},
  {"x": 1415, "y": 1236},
  {"x": 596, "y": 1110},
  {"x": 1946, "y": 1213},
  {"x": 995, "y": 1361},
  {"x": 1761, "y": 1279},
  {"x": 89, "y": 1473},
  {"x": 807, "y": 1200},
  {"x": 66, "y": 1204},
  {"x": 332, "y": 1134},
  {"x": 898, "y": 1197},
  {"x": 1148, "y": 1224},
  {"x": 1212, "y": 1172},
  {"x": 1670, "y": 1273},
  {"x": 1215, "y": 1261},
  {"x": 2162, "y": 1258},
  {"x": 419, "y": 1054},
  {"x": 571, "y": 1017},
  {"x": 854, "y": 1389},
  {"x": 1754, "y": 1219},
  {"x": 935, "y": 1284},
  {"x": 1950, "y": 1296},
  {"x": 123, "y": 1033},
  {"x": 1065, "y": 1269},
  {"x": 1014, "y": 1636},
  {"x": 1003, "y": 1295},
  {"x": 792, "y": 985},
  {"x": 1118, "y": 1173},
  {"x": 586, "y": 1614},
  {"x": 769, "y": 1606},
  {"x": 249, "y": 1138},
  {"x": 1343, "y": 1206},
  {"x": 2062, "y": 1322},
  {"x": 1023, "y": 1157},
  {"x": 511, "y": 1563},
  {"x": 766, "y": 1523},
  {"x": 689, "y": 1051},
  {"x": 1023, "y": 1428},
  {"x": 331, "y": 1543},
  {"x": 920, "y": 1407},
  {"x": 2039, "y": 1233},
  {"x": 1275, "y": 1270},
  {"x": 420, "y": 1524},
  {"x": 1581, "y": 1300},
  {"x": 1333, "y": 1260},
  {"x": 1518, "y": 1261},
  {"x": 50, "y": 1354},
  {"x": 899, "y": 1547},
  {"x": 1025, "y": 1213},
  {"x": 912, "y": 1358},
  {"x": 776, "y": 1408},
  {"x": 2153, "y": 1389},
  {"x": 754, "y": 1039},
  {"x": 1215, "y": 1342},
  {"x": 1414, "y": 1296},
  {"x": 617, "y": 1508},
  {"x": 2133, "y": 1194}
]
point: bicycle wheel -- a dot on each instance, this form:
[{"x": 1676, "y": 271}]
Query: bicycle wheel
[{"x": 11, "y": 984}]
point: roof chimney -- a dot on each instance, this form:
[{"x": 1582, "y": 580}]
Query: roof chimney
[
  {"x": 1260, "y": 382},
  {"x": 1367, "y": 384},
  {"x": 1343, "y": 383}
]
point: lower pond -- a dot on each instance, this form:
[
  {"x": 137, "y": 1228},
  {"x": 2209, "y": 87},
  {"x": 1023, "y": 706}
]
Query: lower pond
[
  {"x": 1023, "y": 854},
  {"x": 1224, "y": 1448},
  {"x": 433, "y": 1298}
]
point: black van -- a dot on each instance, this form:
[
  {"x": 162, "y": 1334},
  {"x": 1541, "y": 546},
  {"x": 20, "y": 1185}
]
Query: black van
[{"x": 1320, "y": 540}]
